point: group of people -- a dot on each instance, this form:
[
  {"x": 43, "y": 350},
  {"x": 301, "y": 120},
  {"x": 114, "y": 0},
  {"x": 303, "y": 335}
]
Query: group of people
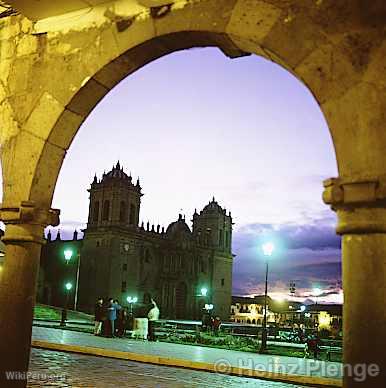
[
  {"x": 210, "y": 323},
  {"x": 112, "y": 319}
]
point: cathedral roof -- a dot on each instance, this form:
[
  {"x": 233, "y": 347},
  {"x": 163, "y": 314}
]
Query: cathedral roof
[
  {"x": 178, "y": 228},
  {"x": 117, "y": 174},
  {"x": 213, "y": 207}
]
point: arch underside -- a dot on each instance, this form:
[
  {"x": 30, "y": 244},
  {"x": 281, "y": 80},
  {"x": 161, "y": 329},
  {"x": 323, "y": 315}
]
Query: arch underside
[{"x": 69, "y": 83}]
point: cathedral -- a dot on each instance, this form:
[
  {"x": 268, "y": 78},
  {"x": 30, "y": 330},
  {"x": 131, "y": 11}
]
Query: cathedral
[{"x": 120, "y": 257}]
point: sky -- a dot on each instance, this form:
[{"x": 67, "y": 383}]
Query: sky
[{"x": 196, "y": 124}]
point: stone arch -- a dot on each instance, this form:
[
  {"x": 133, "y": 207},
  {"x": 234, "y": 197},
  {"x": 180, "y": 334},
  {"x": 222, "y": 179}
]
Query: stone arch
[
  {"x": 60, "y": 71},
  {"x": 297, "y": 38}
]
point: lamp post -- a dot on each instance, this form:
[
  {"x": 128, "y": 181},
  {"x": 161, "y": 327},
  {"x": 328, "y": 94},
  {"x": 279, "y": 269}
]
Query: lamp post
[
  {"x": 68, "y": 253},
  {"x": 131, "y": 300},
  {"x": 68, "y": 287},
  {"x": 268, "y": 248},
  {"x": 201, "y": 301}
]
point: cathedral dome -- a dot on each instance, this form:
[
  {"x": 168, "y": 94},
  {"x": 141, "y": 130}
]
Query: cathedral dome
[
  {"x": 213, "y": 207},
  {"x": 178, "y": 228},
  {"x": 116, "y": 173}
]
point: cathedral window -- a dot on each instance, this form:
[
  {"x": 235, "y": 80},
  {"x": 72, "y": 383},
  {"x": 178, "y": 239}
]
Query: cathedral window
[
  {"x": 222, "y": 282},
  {"x": 221, "y": 238},
  {"x": 123, "y": 287},
  {"x": 123, "y": 212},
  {"x": 227, "y": 239},
  {"x": 106, "y": 210},
  {"x": 95, "y": 215},
  {"x": 132, "y": 215},
  {"x": 124, "y": 267}
]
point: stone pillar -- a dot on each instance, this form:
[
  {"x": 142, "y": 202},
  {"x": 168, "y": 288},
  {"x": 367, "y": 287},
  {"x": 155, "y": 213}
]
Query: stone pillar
[
  {"x": 361, "y": 210},
  {"x": 23, "y": 238}
]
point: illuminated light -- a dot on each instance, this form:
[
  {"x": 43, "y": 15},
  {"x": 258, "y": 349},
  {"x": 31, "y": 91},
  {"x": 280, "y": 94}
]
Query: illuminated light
[
  {"x": 208, "y": 306},
  {"x": 317, "y": 291},
  {"x": 2, "y": 254},
  {"x": 324, "y": 319},
  {"x": 68, "y": 286},
  {"x": 131, "y": 299},
  {"x": 268, "y": 248},
  {"x": 204, "y": 291},
  {"x": 68, "y": 254},
  {"x": 308, "y": 315},
  {"x": 302, "y": 308}
]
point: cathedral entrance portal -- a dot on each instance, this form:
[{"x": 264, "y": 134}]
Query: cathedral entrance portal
[{"x": 181, "y": 300}]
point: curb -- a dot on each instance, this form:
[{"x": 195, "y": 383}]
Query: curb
[{"x": 313, "y": 381}]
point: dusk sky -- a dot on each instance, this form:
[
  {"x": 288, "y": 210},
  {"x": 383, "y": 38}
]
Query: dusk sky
[{"x": 194, "y": 125}]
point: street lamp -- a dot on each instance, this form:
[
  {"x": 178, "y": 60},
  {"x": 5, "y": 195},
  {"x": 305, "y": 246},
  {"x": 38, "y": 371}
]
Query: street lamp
[
  {"x": 317, "y": 292},
  {"x": 204, "y": 291},
  {"x": 68, "y": 287},
  {"x": 68, "y": 253},
  {"x": 268, "y": 249},
  {"x": 131, "y": 300},
  {"x": 208, "y": 306}
]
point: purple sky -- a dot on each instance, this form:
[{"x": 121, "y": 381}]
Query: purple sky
[{"x": 196, "y": 124}]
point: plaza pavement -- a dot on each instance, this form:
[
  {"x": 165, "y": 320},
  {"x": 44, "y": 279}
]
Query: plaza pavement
[{"x": 278, "y": 368}]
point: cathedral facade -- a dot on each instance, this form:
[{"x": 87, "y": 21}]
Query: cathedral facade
[{"x": 120, "y": 257}]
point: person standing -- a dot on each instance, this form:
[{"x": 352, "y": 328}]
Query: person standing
[
  {"x": 118, "y": 309},
  {"x": 105, "y": 318},
  {"x": 216, "y": 326},
  {"x": 111, "y": 316},
  {"x": 98, "y": 316},
  {"x": 152, "y": 316}
]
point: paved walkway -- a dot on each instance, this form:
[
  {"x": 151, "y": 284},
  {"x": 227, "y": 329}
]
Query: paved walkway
[
  {"x": 59, "y": 369},
  {"x": 191, "y": 356}
]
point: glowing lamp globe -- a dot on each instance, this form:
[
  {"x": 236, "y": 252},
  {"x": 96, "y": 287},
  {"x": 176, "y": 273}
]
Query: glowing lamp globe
[
  {"x": 67, "y": 254},
  {"x": 68, "y": 286},
  {"x": 268, "y": 248}
]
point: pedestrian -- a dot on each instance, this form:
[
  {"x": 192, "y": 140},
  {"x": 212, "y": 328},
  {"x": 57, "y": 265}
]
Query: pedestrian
[
  {"x": 111, "y": 317},
  {"x": 118, "y": 308},
  {"x": 121, "y": 322},
  {"x": 206, "y": 320},
  {"x": 152, "y": 316},
  {"x": 98, "y": 316},
  {"x": 105, "y": 318},
  {"x": 216, "y": 326}
]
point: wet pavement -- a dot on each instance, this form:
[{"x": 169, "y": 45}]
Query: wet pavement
[
  {"x": 59, "y": 369},
  {"x": 221, "y": 359}
]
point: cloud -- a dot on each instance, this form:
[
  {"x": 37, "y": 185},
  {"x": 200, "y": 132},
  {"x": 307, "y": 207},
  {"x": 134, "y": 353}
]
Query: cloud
[
  {"x": 317, "y": 235},
  {"x": 326, "y": 276},
  {"x": 308, "y": 254}
]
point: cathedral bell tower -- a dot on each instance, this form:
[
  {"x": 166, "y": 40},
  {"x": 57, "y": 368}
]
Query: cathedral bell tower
[
  {"x": 114, "y": 200},
  {"x": 212, "y": 229}
]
